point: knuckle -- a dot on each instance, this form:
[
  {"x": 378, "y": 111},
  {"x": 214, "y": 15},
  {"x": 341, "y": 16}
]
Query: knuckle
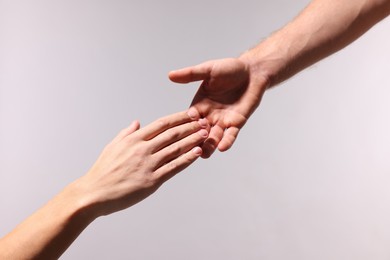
[
  {"x": 195, "y": 139},
  {"x": 130, "y": 141},
  {"x": 143, "y": 173},
  {"x": 172, "y": 166},
  {"x": 150, "y": 181},
  {"x": 182, "y": 162},
  {"x": 163, "y": 123},
  {"x": 188, "y": 159},
  {"x": 175, "y": 149},
  {"x": 191, "y": 74},
  {"x": 140, "y": 152},
  {"x": 174, "y": 134},
  {"x": 144, "y": 181},
  {"x": 194, "y": 126}
]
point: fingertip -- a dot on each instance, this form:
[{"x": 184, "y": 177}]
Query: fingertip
[
  {"x": 204, "y": 123},
  {"x": 134, "y": 126},
  {"x": 197, "y": 151},
  {"x": 193, "y": 113},
  {"x": 228, "y": 139},
  {"x": 203, "y": 133},
  {"x": 171, "y": 74},
  {"x": 223, "y": 147},
  {"x": 208, "y": 148},
  {"x": 177, "y": 76}
]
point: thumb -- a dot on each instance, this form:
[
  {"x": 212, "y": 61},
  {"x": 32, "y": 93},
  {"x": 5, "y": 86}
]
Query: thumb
[{"x": 194, "y": 73}]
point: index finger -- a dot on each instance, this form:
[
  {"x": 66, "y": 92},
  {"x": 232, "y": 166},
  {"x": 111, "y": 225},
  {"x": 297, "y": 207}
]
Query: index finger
[{"x": 160, "y": 125}]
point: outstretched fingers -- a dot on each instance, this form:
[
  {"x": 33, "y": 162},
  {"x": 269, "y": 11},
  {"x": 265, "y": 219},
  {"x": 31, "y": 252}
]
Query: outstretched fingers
[
  {"x": 177, "y": 156},
  {"x": 175, "y": 166},
  {"x": 179, "y": 148},
  {"x": 157, "y": 127},
  {"x": 177, "y": 133}
]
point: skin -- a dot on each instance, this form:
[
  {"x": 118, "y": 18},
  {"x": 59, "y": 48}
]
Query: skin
[
  {"x": 138, "y": 161},
  {"x": 130, "y": 168},
  {"x": 232, "y": 88}
]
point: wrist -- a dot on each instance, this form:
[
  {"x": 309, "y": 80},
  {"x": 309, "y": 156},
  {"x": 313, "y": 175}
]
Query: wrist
[
  {"x": 80, "y": 201},
  {"x": 265, "y": 63},
  {"x": 50, "y": 230},
  {"x": 259, "y": 69},
  {"x": 279, "y": 56}
]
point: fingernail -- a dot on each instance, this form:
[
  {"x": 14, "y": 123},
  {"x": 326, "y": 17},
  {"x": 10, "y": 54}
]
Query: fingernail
[
  {"x": 193, "y": 113},
  {"x": 203, "y": 133},
  {"x": 197, "y": 151},
  {"x": 203, "y": 122}
]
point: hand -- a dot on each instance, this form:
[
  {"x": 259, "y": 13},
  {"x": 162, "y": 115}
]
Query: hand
[
  {"x": 227, "y": 97},
  {"x": 138, "y": 161}
]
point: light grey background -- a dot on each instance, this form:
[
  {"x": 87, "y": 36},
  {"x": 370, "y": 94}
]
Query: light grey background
[{"x": 308, "y": 177}]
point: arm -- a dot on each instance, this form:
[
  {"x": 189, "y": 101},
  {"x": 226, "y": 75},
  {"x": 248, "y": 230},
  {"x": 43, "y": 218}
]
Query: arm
[
  {"x": 232, "y": 88},
  {"x": 323, "y": 28},
  {"x": 133, "y": 166}
]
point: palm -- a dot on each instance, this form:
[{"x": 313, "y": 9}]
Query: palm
[{"x": 226, "y": 97}]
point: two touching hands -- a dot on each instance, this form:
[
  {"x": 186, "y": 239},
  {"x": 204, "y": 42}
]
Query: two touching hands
[{"x": 138, "y": 161}]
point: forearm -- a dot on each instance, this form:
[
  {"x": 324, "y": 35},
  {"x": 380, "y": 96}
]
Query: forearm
[
  {"x": 48, "y": 232},
  {"x": 324, "y": 27}
]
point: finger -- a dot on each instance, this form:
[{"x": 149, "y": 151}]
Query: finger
[
  {"x": 175, "y": 166},
  {"x": 176, "y": 133},
  {"x": 229, "y": 137},
  {"x": 178, "y": 148},
  {"x": 134, "y": 126},
  {"x": 212, "y": 141},
  {"x": 190, "y": 74},
  {"x": 164, "y": 123}
]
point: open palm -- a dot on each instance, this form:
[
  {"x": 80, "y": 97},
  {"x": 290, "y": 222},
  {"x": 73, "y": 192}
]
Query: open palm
[{"x": 227, "y": 97}]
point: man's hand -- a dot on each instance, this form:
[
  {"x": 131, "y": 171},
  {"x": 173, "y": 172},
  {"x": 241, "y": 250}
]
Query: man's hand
[{"x": 227, "y": 97}]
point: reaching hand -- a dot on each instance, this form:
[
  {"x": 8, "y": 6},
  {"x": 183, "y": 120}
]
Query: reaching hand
[
  {"x": 138, "y": 161},
  {"x": 227, "y": 97}
]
